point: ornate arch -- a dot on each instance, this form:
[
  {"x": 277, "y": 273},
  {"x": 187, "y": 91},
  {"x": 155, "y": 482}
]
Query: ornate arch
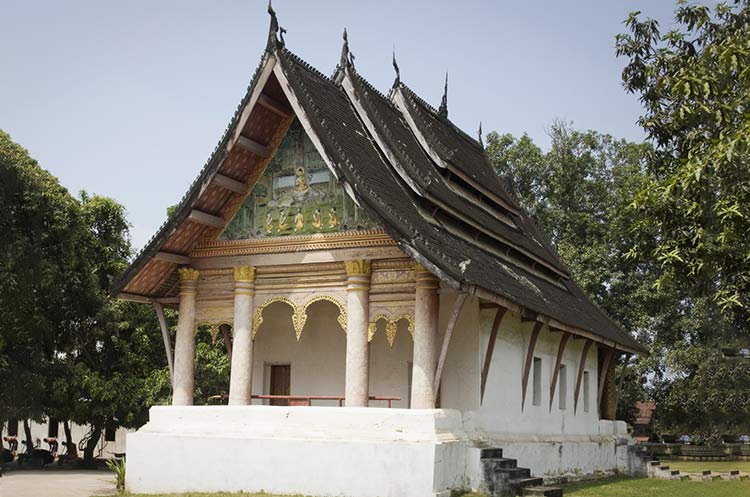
[
  {"x": 391, "y": 327},
  {"x": 343, "y": 316},
  {"x": 298, "y": 315},
  {"x": 214, "y": 326}
]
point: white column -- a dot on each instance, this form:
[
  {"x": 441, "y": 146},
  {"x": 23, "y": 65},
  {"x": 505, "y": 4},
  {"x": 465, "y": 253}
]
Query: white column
[
  {"x": 241, "y": 375},
  {"x": 425, "y": 338},
  {"x": 357, "y": 348},
  {"x": 184, "y": 348}
]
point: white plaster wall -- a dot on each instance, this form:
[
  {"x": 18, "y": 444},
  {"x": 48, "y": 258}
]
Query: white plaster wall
[
  {"x": 389, "y": 366},
  {"x": 460, "y": 381},
  {"x": 317, "y": 360},
  {"x": 500, "y": 413},
  {"x": 357, "y": 452}
]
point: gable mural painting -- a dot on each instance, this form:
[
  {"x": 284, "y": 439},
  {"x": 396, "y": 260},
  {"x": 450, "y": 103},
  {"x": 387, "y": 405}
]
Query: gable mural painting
[{"x": 297, "y": 195}]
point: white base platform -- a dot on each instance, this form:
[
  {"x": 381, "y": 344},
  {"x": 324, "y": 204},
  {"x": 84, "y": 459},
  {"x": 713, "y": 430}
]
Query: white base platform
[
  {"x": 348, "y": 452},
  {"x": 321, "y": 451}
]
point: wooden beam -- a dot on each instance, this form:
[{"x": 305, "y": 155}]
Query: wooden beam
[
  {"x": 528, "y": 316},
  {"x": 603, "y": 377},
  {"x": 274, "y": 106},
  {"x": 134, "y": 297},
  {"x": 490, "y": 349},
  {"x": 227, "y": 342},
  {"x": 253, "y": 146},
  {"x": 457, "y": 306},
  {"x": 558, "y": 361},
  {"x": 620, "y": 381},
  {"x": 171, "y": 257},
  {"x": 165, "y": 336},
  {"x": 206, "y": 219},
  {"x": 581, "y": 367},
  {"x": 529, "y": 356},
  {"x": 229, "y": 183}
]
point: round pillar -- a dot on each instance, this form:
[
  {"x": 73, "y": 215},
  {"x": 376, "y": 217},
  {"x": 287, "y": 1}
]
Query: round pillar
[
  {"x": 357, "y": 348},
  {"x": 241, "y": 375},
  {"x": 184, "y": 348},
  {"x": 425, "y": 339}
]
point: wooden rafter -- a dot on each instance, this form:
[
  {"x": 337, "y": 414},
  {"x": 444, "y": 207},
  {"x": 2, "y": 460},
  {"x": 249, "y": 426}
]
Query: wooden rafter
[
  {"x": 274, "y": 106},
  {"x": 457, "y": 306},
  {"x": 529, "y": 359},
  {"x": 558, "y": 361},
  {"x": 581, "y": 367},
  {"x": 603, "y": 376},
  {"x": 172, "y": 257},
  {"x": 206, "y": 219},
  {"x": 490, "y": 349},
  {"x": 620, "y": 381},
  {"x": 230, "y": 184},
  {"x": 253, "y": 146},
  {"x": 165, "y": 336}
]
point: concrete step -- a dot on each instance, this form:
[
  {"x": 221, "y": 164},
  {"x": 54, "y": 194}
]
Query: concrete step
[
  {"x": 517, "y": 485},
  {"x": 499, "y": 462},
  {"x": 542, "y": 491},
  {"x": 494, "y": 453},
  {"x": 510, "y": 474}
]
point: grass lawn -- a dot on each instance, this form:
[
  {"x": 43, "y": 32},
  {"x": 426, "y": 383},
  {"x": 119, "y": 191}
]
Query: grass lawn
[
  {"x": 718, "y": 466},
  {"x": 644, "y": 487},
  {"x": 609, "y": 487}
]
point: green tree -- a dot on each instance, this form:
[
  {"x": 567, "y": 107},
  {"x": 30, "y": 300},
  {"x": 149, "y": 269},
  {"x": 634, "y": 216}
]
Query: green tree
[
  {"x": 44, "y": 279},
  {"x": 694, "y": 209}
]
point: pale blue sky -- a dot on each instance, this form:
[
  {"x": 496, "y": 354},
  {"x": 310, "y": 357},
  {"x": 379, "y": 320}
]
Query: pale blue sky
[{"x": 128, "y": 99}]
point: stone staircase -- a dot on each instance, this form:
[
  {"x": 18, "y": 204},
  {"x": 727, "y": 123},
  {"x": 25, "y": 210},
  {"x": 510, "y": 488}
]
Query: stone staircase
[
  {"x": 504, "y": 478},
  {"x": 662, "y": 472}
]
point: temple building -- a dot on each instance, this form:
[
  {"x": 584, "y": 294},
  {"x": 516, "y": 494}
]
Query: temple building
[{"x": 399, "y": 325}]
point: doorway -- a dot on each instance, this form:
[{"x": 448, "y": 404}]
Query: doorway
[{"x": 280, "y": 383}]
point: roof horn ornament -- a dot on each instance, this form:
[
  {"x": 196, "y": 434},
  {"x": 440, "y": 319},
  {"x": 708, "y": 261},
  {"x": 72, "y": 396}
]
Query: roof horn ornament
[
  {"x": 273, "y": 30},
  {"x": 344, "y": 51},
  {"x": 395, "y": 68},
  {"x": 443, "y": 110},
  {"x": 479, "y": 134}
]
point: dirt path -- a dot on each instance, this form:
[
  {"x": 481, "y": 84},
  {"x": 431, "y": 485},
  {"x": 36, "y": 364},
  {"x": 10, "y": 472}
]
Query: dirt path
[{"x": 56, "y": 483}]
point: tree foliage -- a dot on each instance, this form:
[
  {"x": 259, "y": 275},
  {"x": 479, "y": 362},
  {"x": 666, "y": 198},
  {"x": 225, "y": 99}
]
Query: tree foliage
[{"x": 694, "y": 210}]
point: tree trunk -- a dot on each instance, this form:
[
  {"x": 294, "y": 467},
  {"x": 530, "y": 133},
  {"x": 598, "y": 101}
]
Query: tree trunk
[
  {"x": 68, "y": 439},
  {"x": 1, "y": 437},
  {"x": 88, "y": 452},
  {"x": 27, "y": 432}
]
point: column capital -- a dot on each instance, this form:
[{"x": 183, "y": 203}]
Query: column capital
[
  {"x": 188, "y": 274},
  {"x": 244, "y": 274},
  {"x": 358, "y": 267}
]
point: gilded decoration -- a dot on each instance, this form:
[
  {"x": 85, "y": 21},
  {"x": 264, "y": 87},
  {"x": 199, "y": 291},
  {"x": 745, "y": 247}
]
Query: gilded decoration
[
  {"x": 214, "y": 327},
  {"x": 391, "y": 327},
  {"x": 296, "y": 195},
  {"x": 188, "y": 274},
  {"x": 358, "y": 267},
  {"x": 244, "y": 273},
  {"x": 299, "y": 313}
]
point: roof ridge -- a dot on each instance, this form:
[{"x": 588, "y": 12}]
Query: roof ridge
[
  {"x": 299, "y": 60},
  {"x": 437, "y": 115}
]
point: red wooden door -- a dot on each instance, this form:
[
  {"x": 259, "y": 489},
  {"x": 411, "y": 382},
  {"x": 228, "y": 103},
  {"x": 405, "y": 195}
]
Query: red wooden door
[{"x": 280, "y": 383}]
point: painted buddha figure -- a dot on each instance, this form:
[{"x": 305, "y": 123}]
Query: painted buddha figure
[
  {"x": 269, "y": 222},
  {"x": 300, "y": 182},
  {"x": 299, "y": 221},
  {"x": 282, "y": 221},
  {"x": 333, "y": 219},
  {"x": 317, "y": 222}
]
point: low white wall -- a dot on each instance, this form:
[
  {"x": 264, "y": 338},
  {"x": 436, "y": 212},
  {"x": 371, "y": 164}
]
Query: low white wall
[
  {"x": 39, "y": 431},
  {"x": 357, "y": 452}
]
